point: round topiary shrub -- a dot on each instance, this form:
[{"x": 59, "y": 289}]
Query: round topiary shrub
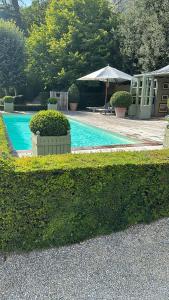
[
  {"x": 53, "y": 100},
  {"x": 73, "y": 92},
  {"x": 49, "y": 123},
  {"x": 121, "y": 99},
  {"x": 8, "y": 99}
]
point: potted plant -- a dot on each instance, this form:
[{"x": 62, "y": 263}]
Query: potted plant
[
  {"x": 74, "y": 97},
  {"x": 52, "y": 103},
  {"x": 121, "y": 101},
  {"x": 8, "y": 103},
  {"x": 50, "y": 133}
]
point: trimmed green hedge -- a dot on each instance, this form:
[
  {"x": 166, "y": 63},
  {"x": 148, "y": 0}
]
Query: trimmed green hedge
[
  {"x": 4, "y": 146},
  {"x": 30, "y": 107},
  {"x": 58, "y": 200}
]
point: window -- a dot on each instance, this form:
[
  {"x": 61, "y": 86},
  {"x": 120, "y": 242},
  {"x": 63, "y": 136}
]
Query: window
[
  {"x": 166, "y": 86},
  {"x": 164, "y": 98},
  {"x": 163, "y": 108}
]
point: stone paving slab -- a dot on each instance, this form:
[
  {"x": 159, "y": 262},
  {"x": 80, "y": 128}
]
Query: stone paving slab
[{"x": 128, "y": 265}]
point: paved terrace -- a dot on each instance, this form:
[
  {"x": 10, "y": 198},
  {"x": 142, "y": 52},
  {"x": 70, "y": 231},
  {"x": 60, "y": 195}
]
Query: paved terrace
[{"x": 148, "y": 133}]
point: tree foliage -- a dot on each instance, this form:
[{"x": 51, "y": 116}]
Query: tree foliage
[
  {"x": 12, "y": 56},
  {"x": 78, "y": 37},
  {"x": 10, "y": 10},
  {"x": 34, "y": 14},
  {"x": 144, "y": 34}
]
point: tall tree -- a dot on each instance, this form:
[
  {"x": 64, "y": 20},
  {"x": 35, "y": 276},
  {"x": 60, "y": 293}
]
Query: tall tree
[
  {"x": 12, "y": 56},
  {"x": 10, "y": 10},
  {"x": 34, "y": 14},
  {"x": 144, "y": 34},
  {"x": 78, "y": 37}
]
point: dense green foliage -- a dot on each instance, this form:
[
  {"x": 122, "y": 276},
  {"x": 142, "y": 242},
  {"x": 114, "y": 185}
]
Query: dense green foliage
[
  {"x": 73, "y": 94},
  {"x": 52, "y": 100},
  {"x": 8, "y": 99},
  {"x": 57, "y": 200},
  {"x": 34, "y": 14},
  {"x": 10, "y": 10},
  {"x": 144, "y": 34},
  {"x": 121, "y": 99},
  {"x": 49, "y": 123},
  {"x": 4, "y": 146},
  {"x": 12, "y": 56},
  {"x": 77, "y": 37}
]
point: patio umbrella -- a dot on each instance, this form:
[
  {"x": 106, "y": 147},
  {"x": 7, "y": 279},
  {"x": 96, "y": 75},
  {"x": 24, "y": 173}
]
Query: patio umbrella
[{"x": 107, "y": 74}]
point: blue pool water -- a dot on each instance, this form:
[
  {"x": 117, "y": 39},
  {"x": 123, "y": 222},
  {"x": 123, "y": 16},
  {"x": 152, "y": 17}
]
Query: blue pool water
[{"x": 82, "y": 135}]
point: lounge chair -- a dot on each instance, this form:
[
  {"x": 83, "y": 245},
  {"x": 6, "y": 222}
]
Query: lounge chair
[{"x": 103, "y": 110}]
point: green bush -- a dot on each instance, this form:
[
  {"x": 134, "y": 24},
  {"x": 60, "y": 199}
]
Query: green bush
[
  {"x": 4, "y": 145},
  {"x": 8, "y": 99},
  {"x": 121, "y": 99},
  {"x": 58, "y": 200},
  {"x": 73, "y": 93},
  {"x": 53, "y": 100},
  {"x": 49, "y": 123}
]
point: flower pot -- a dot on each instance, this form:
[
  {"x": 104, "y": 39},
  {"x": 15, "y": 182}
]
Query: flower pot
[
  {"x": 8, "y": 107},
  {"x": 45, "y": 145},
  {"x": 120, "y": 112},
  {"x": 52, "y": 106},
  {"x": 166, "y": 137},
  {"x": 73, "y": 106}
]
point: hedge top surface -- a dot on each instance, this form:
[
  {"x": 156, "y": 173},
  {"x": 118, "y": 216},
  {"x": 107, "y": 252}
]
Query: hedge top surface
[
  {"x": 121, "y": 99},
  {"x": 53, "y": 100},
  {"x": 8, "y": 99},
  {"x": 94, "y": 161},
  {"x": 49, "y": 123}
]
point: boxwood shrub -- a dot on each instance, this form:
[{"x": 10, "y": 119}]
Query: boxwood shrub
[
  {"x": 121, "y": 99},
  {"x": 58, "y": 200},
  {"x": 53, "y": 100},
  {"x": 8, "y": 99},
  {"x": 49, "y": 123}
]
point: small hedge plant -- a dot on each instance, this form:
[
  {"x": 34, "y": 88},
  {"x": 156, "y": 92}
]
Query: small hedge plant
[
  {"x": 73, "y": 93},
  {"x": 53, "y": 100},
  {"x": 8, "y": 99},
  {"x": 49, "y": 123},
  {"x": 121, "y": 99}
]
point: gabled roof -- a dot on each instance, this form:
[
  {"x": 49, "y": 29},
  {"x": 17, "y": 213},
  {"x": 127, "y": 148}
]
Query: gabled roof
[{"x": 160, "y": 72}]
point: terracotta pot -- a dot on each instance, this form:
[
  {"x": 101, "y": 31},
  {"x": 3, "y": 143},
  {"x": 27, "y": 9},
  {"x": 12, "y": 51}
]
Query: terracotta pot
[
  {"x": 120, "y": 112},
  {"x": 73, "y": 106}
]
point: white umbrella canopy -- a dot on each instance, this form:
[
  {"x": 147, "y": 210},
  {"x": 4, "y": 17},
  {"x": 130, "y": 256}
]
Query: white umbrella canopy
[{"x": 107, "y": 74}]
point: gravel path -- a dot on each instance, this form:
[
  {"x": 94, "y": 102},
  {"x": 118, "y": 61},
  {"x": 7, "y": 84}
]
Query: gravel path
[{"x": 129, "y": 265}]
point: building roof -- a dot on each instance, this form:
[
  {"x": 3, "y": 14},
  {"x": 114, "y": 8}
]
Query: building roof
[{"x": 160, "y": 72}]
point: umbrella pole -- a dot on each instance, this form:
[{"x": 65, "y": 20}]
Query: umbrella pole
[{"x": 106, "y": 93}]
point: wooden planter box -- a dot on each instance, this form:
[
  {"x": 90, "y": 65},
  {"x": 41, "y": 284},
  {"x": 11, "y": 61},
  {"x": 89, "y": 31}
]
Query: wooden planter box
[
  {"x": 52, "y": 106},
  {"x": 45, "y": 145},
  {"x": 8, "y": 107},
  {"x": 166, "y": 137}
]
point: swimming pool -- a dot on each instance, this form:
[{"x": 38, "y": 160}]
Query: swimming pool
[{"x": 82, "y": 135}]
